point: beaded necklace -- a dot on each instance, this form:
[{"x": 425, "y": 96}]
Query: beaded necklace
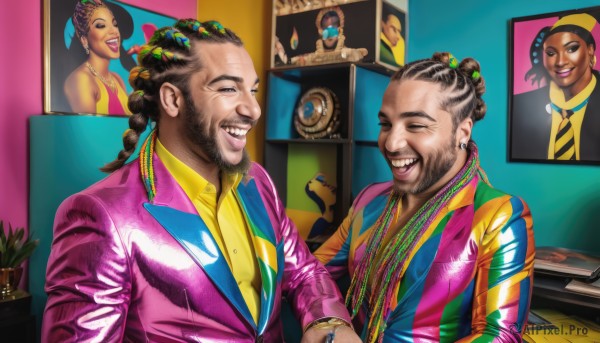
[
  {"x": 109, "y": 83},
  {"x": 396, "y": 252},
  {"x": 146, "y": 165}
]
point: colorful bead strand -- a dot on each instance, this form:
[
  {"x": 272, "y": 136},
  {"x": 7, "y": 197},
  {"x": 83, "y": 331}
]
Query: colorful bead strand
[
  {"x": 146, "y": 165},
  {"x": 395, "y": 254}
]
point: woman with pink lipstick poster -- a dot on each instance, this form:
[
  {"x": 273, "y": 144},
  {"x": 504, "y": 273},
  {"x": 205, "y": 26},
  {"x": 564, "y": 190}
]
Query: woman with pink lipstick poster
[
  {"x": 90, "y": 47},
  {"x": 555, "y": 105}
]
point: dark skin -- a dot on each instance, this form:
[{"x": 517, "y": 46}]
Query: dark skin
[{"x": 568, "y": 60}]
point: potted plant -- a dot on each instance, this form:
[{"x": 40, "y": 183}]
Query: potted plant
[{"x": 15, "y": 248}]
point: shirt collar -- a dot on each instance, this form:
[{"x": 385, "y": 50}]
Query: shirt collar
[
  {"x": 193, "y": 184},
  {"x": 557, "y": 96}
]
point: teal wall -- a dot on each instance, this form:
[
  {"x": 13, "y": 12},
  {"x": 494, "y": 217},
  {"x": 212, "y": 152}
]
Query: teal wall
[
  {"x": 65, "y": 154},
  {"x": 564, "y": 200}
]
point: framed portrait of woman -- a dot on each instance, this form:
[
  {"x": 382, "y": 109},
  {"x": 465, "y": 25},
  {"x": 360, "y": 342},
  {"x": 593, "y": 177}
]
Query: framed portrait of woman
[
  {"x": 554, "y": 95},
  {"x": 89, "y": 48}
]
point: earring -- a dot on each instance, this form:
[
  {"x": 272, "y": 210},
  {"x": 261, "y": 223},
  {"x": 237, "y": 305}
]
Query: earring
[
  {"x": 87, "y": 49},
  {"x": 462, "y": 146}
]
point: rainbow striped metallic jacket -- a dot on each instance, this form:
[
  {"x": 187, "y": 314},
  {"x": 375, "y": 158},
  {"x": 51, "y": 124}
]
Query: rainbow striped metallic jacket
[
  {"x": 123, "y": 269},
  {"x": 470, "y": 276}
]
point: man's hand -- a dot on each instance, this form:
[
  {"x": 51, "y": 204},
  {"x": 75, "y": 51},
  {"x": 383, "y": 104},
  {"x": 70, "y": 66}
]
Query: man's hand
[{"x": 343, "y": 334}]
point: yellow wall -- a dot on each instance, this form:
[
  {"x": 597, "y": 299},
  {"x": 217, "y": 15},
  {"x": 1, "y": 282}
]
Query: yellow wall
[{"x": 251, "y": 20}]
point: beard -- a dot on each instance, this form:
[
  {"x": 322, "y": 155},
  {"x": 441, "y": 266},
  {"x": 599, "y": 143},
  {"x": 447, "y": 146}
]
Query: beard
[
  {"x": 441, "y": 162},
  {"x": 204, "y": 137}
]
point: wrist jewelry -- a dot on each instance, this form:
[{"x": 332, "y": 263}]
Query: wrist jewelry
[{"x": 327, "y": 323}]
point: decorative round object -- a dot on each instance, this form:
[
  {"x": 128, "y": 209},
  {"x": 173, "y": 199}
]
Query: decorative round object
[{"x": 317, "y": 114}]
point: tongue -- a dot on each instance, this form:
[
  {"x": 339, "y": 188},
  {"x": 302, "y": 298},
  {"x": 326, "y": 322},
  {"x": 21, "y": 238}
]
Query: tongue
[
  {"x": 237, "y": 142},
  {"x": 113, "y": 46}
]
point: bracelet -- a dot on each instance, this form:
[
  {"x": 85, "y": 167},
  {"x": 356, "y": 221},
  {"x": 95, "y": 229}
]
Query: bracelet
[{"x": 327, "y": 323}]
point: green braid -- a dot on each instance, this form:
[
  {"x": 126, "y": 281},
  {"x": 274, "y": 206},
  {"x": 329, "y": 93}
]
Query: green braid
[
  {"x": 189, "y": 24},
  {"x": 157, "y": 52},
  {"x": 216, "y": 25}
]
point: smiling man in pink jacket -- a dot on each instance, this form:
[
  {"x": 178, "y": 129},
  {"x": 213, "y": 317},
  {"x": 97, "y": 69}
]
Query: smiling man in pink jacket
[{"x": 189, "y": 242}]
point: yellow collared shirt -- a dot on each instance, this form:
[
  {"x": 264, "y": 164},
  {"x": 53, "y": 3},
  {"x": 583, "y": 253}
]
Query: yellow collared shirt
[{"x": 225, "y": 220}]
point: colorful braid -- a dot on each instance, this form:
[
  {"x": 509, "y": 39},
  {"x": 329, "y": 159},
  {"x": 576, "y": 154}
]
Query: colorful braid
[
  {"x": 138, "y": 72},
  {"x": 158, "y": 53},
  {"x": 146, "y": 165},
  {"x": 216, "y": 25},
  {"x": 178, "y": 38},
  {"x": 397, "y": 251},
  {"x": 192, "y": 25}
]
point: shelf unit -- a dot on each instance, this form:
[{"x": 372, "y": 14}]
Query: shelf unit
[
  {"x": 549, "y": 292},
  {"x": 357, "y": 161}
]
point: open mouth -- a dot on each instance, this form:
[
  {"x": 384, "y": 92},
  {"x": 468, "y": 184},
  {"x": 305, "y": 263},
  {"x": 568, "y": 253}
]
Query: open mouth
[
  {"x": 403, "y": 164},
  {"x": 236, "y": 137},
  {"x": 113, "y": 44},
  {"x": 235, "y": 131},
  {"x": 564, "y": 72}
]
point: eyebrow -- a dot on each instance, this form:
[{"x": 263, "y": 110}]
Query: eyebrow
[
  {"x": 411, "y": 114},
  {"x": 235, "y": 79},
  {"x": 564, "y": 45},
  {"x": 95, "y": 20}
]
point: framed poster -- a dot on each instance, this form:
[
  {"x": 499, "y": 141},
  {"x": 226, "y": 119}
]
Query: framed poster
[
  {"x": 392, "y": 36},
  {"x": 87, "y": 57},
  {"x": 554, "y": 94}
]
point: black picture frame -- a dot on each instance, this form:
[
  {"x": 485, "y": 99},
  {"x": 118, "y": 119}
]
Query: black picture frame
[{"x": 535, "y": 69}]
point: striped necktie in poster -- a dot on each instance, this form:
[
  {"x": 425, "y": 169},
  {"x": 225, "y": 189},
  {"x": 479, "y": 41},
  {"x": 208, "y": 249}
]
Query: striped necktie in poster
[{"x": 564, "y": 144}]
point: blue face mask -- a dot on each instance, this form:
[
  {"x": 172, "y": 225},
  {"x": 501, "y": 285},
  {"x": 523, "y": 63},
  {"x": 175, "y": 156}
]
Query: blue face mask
[{"x": 330, "y": 32}]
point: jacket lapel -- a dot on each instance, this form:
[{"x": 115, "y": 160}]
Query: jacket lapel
[
  {"x": 176, "y": 213},
  {"x": 265, "y": 247},
  {"x": 194, "y": 236}
]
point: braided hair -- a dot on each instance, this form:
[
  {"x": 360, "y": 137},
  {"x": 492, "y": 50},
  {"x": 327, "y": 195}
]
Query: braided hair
[
  {"x": 84, "y": 10},
  {"x": 462, "y": 81},
  {"x": 167, "y": 57}
]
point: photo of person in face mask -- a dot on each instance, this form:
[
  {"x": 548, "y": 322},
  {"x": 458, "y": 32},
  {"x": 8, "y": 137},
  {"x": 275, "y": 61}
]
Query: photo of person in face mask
[{"x": 330, "y": 47}]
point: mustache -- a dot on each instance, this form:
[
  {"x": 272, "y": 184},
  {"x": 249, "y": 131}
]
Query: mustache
[
  {"x": 401, "y": 152},
  {"x": 242, "y": 121}
]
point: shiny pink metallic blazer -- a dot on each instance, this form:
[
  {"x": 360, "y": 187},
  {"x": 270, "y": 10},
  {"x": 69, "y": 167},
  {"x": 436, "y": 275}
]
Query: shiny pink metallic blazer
[{"x": 122, "y": 268}]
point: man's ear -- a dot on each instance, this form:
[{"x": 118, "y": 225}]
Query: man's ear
[
  {"x": 463, "y": 132},
  {"x": 171, "y": 99}
]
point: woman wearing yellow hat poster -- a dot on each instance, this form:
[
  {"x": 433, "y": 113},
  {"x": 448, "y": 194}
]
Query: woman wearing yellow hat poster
[{"x": 558, "y": 119}]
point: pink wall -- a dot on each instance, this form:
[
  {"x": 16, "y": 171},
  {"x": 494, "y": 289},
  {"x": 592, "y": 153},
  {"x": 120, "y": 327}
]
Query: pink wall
[
  {"x": 21, "y": 93},
  {"x": 20, "y": 97}
]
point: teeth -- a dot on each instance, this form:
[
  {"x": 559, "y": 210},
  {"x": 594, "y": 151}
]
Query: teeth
[
  {"x": 236, "y": 131},
  {"x": 111, "y": 41},
  {"x": 403, "y": 162}
]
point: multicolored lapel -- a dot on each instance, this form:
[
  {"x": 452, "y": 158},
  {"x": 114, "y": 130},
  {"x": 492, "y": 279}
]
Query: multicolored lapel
[
  {"x": 269, "y": 254},
  {"x": 195, "y": 237}
]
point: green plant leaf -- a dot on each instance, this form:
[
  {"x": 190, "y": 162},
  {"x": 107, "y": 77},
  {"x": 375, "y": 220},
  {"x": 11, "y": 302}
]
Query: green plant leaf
[{"x": 15, "y": 246}]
